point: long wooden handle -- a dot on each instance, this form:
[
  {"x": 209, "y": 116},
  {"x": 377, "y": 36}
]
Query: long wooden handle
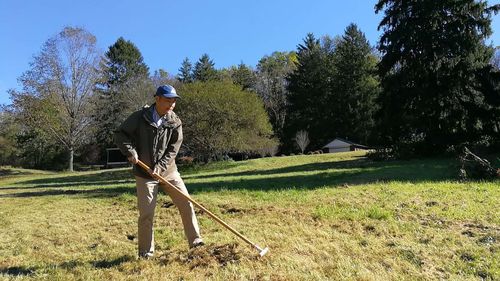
[{"x": 164, "y": 181}]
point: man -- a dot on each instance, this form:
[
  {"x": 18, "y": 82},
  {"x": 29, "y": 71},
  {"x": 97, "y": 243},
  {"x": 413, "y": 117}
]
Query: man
[{"x": 154, "y": 136}]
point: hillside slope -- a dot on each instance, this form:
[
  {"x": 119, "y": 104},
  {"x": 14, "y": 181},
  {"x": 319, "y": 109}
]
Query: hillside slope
[{"x": 324, "y": 217}]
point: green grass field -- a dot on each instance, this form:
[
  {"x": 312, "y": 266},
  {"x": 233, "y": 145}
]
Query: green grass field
[{"x": 324, "y": 217}]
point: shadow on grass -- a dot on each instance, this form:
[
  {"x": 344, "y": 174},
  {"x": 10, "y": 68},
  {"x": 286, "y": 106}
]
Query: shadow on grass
[
  {"x": 104, "y": 192},
  {"x": 19, "y": 271},
  {"x": 101, "y": 184},
  {"x": 112, "y": 263},
  {"x": 319, "y": 166},
  {"x": 11, "y": 172},
  {"x": 360, "y": 171},
  {"x": 69, "y": 184},
  {"x": 305, "y": 176},
  {"x": 187, "y": 169},
  {"x": 102, "y": 176}
]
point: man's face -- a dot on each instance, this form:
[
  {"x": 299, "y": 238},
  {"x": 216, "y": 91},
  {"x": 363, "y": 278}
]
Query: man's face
[{"x": 163, "y": 105}]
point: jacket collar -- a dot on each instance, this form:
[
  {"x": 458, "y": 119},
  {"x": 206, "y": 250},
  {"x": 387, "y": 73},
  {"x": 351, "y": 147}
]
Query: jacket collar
[{"x": 171, "y": 119}]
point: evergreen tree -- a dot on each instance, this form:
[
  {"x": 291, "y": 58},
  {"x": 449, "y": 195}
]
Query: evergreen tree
[
  {"x": 204, "y": 70},
  {"x": 243, "y": 75},
  {"x": 433, "y": 58},
  {"x": 186, "y": 71},
  {"x": 355, "y": 86},
  {"x": 310, "y": 91},
  {"x": 124, "y": 87},
  {"x": 123, "y": 60}
]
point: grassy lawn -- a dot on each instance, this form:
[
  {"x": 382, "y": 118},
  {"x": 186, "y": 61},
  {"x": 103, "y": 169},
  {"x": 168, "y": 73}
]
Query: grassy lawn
[{"x": 324, "y": 217}]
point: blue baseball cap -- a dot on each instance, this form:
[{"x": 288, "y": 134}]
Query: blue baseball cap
[{"x": 167, "y": 91}]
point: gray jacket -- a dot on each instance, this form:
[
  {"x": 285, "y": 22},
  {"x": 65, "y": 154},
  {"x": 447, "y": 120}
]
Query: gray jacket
[{"x": 155, "y": 146}]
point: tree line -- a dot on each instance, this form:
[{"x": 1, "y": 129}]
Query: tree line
[{"x": 430, "y": 85}]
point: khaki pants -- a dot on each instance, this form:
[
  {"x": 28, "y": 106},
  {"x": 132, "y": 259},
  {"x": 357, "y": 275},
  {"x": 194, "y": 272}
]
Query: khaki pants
[{"x": 147, "y": 190}]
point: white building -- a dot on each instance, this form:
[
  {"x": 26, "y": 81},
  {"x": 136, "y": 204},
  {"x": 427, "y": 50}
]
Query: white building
[{"x": 342, "y": 145}]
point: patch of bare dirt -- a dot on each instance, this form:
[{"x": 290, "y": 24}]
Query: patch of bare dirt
[
  {"x": 167, "y": 204},
  {"x": 431, "y": 203},
  {"x": 210, "y": 255},
  {"x": 369, "y": 228},
  {"x": 487, "y": 239},
  {"x": 477, "y": 226},
  {"x": 485, "y": 235},
  {"x": 434, "y": 221},
  {"x": 227, "y": 209},
  {"x": 468, "y": 233}
]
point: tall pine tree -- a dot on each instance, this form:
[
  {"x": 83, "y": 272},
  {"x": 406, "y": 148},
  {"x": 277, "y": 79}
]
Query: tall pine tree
[
  {"x": 125, "y": 86},
  {"x": 186, "y": 71},
  {"x": 355, "y": 86},
  {"x": 204, "y": 70},
  {"x": 309, "y": 88},
  {"x": 433, "y": 55},
  {"x": 243, "y": 75}
]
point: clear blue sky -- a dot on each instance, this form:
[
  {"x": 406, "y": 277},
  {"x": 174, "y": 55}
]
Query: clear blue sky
[{"x": 166, "y": 32}]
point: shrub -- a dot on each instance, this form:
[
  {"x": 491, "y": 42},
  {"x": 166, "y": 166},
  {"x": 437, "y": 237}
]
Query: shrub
[{"x": 219, "y": 117}]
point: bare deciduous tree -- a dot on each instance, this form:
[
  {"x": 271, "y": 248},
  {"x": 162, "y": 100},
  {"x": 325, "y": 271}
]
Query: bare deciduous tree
[
  {"x": 302, "y": 140},
  {"x": 58, "y": 87},
  {"x": 271, "y": 85}
]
